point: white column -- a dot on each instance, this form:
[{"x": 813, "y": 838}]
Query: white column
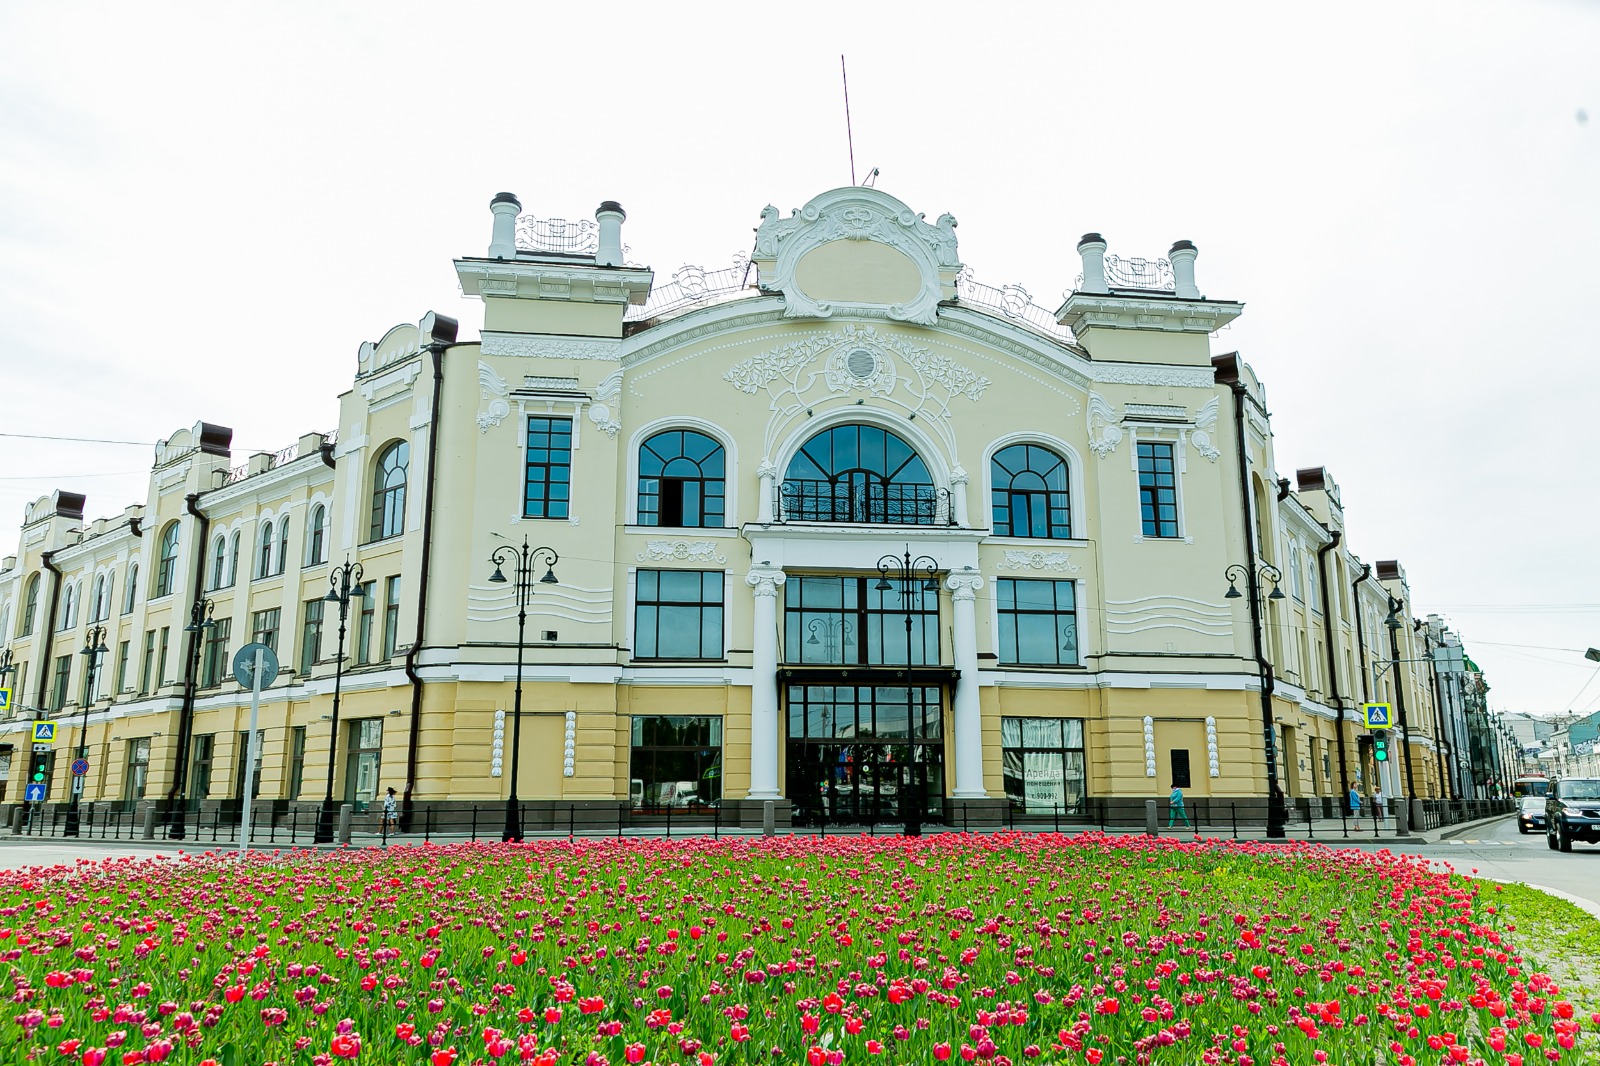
[
  {"x": 964, "y": 585},
  {"x": 958, "y": 496},
  {"x": 503, "y": 243},
  {"x": 767, "y": 473},
  {"x": 1092, "y": 248},
  {"x": 764, "y": 580}
]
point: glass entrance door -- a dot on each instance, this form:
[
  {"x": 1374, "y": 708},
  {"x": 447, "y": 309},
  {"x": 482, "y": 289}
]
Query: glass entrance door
[{"x": 859, "y": 754}]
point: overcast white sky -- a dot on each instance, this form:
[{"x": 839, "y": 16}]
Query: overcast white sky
[{"x": 205, "y": 209}]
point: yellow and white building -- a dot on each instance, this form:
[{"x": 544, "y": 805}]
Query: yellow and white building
[{"x": 732, "y": 469}]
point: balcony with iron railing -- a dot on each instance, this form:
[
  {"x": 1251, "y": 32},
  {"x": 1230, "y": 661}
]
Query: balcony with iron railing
[{"x": 868, "y": 503}]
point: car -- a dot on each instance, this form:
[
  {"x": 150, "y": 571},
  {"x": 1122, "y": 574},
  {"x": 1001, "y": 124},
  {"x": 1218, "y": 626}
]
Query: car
[
  {"x": 1530, "y": 814},
  {"x": 1572, "y": 813}
]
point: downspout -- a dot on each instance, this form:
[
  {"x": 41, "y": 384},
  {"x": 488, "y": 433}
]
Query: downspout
[
  {"x": 1276, "y": 815},
  {"x": 414, "y": 741},
  {"x": 1361, "y": 640},
  {"x": 1333, "y": 662},
  {"x": 180, "y": 772},
  {"x": 47, "y": 560}
]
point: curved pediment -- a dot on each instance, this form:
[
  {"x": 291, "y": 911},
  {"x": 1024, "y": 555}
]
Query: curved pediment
[{"x": 857, "y": 248}]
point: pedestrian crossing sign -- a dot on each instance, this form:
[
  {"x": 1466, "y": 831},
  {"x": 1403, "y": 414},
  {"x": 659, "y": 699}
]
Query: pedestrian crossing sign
[
  {"x": 1377, "y": 716},
  {"x": 5, "y": 699},
  {"x": 44, "y": 732}
]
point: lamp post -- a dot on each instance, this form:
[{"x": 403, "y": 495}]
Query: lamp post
[
  {"x": 344, "y": 586},
  {"x": 1277, "y": 813},
  {"x": 910, "y": 577},
  {"x": 1394, "y": 625},
  {"x": 200, "y": 623},
  {"x": 94, "y": 646},
  {"x": 524, "y": 561}
]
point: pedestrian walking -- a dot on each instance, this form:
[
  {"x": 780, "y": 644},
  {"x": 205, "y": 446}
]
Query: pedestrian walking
[
  {"x": 388, "y": 811},
  {"x": 1380, "y": 805},
  {"x": 1177, "y": 810}
]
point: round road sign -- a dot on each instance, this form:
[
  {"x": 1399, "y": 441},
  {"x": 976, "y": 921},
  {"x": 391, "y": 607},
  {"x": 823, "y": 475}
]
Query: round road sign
[
  {"x": 80, "y": 767},
  {"x": 244, "y": 664}
]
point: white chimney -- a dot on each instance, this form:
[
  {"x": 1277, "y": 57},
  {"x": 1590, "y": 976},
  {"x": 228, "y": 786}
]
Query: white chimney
[
  {"x": 503, "y": 244},
  {"x": 1093, "y": 250},
  {"x": 1182, "y": 256},
  {"x": 610, "y": 216}
]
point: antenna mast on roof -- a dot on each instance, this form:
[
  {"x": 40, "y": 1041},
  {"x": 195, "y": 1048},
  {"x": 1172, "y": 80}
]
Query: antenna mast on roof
[{"x": 849, "y": 135}]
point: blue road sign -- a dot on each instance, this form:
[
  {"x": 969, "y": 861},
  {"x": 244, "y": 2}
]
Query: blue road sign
[
  {"x": 5, "y": 699},
  {"x": 44, "y": 732},
  {"x": 1377, "y": 716},
  {"x": 80, "y": 767},
  {"x": 34, "y": 794}
]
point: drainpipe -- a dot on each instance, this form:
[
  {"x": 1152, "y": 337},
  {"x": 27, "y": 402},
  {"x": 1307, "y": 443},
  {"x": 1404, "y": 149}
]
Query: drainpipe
[
  {"x": 180, "y": 771},
  {"x": 1333, "y": 663},
  {"x": 47, "y": 560},
  {"x": 442, "y": 331},
  {"x": 1361, "y": 640},
  {"x": 1228, "y": 374}
]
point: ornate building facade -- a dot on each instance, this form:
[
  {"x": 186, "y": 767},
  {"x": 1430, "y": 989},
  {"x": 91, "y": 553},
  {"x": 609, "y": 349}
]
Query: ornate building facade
[{"x": 837, "y": 526}]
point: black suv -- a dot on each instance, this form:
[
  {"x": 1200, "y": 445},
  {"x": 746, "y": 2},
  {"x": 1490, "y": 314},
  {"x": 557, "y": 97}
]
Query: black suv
[{"x": 1572, "y": 812}]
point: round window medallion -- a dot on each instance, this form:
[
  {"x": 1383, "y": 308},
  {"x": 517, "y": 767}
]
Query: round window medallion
[{"x": 861, "y": 363}]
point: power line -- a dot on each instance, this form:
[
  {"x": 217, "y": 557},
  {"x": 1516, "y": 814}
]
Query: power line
[
  {"x": 80, "y": 440},
  {"x": 63, "y": 477}
]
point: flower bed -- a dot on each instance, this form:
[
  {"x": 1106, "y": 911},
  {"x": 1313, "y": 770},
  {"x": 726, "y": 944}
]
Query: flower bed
[{"x": 999, "y": 950}]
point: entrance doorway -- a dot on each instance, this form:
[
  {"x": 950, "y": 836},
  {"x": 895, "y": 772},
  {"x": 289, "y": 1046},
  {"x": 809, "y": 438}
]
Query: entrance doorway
[{"x": 858, "y": 754}]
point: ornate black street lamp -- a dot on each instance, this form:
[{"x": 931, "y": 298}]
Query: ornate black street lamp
[
  {"x": 94, "y": 646},
  {"x": 1277, "y": 813},
  {"x": 200, "y": 623},
  {"x": 525, "y": 561},
  {"x": 910, "y": 577},
  {"x": 345, "y": 585},
  {"x": 1394, "y": 624}
]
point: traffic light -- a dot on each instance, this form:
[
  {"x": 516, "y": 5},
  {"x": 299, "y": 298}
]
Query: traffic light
[{"x": 1380, "y": 749}]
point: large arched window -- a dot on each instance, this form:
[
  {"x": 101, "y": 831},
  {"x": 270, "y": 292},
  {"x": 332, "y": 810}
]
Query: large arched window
[
  {"x": 69, "y": 608},
  {"x": 389, "y": 491},
  {"x": 102, "y": 602},
  {"x": 233, "y": 558},
  {"x": 860, "y": 474},
  {"x": 264, "y": 554},
  {"x": 316, "y": 536},
  {"x": 681, "y": 480},
  {"x": 132, "y": 585},
  {"x": 219, "y": 564},
  {"x": 30, "y": 610},
  {"x": 1029, "y": 497},
  {"x": 167, "y": 561}
]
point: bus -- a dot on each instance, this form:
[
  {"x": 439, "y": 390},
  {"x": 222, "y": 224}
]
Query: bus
[{"x": 1529, "y": 793}]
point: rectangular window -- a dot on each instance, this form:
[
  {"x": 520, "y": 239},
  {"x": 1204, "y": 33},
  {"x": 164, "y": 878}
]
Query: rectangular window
[
  {"x": 548, "y": 484},
  {"x": 1038, "y": 622},
  {"x": 124, "y": 652},
  {"x": 216, "y": 665},
  {"x": 679, "y": 615},
  {"x": 138, "y": 769},
  {"x": 161, "y": 657},
  {"x": 363, "y": 762},
  {"x": 850, "y": 621},
  {"x": 243, "y": 758},
  {"x": 369, "y": 608},
  {"x": 391, "y": 614},
  {"x": 1158, "y": 489},
  {"x": 149, "y": 661},
  {"x": 297, "y": 761},
  {"x": 1180, "y": 767},
  {"x": 264, "y": 628},
  {"x": 205, "y": 747},
  {"x": 310, "y": 634},
  {"x": 1042, "y": 760},
  {"x": 676, "y": 761},
  {"x": 58, "y": 698}
]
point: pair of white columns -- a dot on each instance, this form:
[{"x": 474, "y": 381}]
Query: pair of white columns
[{"x": 764, "y": 731}]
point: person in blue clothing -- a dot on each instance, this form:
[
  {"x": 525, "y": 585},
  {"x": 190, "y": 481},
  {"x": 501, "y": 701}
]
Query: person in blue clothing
[
  {"x": 1354, "y": 800},
  {"x": 1177, "y": 810}
]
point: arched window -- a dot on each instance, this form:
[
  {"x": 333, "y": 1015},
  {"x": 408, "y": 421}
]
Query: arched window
[
  {"x": 167, "y": 561},
  {"x": 681, "y": 480},
  {"x": 316, "y": 535},
  {"x": 860, "y": 474},
  {"x": 233, "y": 557},
  {"x": 68, "y": 609},
  {"x": 219, "y": 565},
  {"x": 1029, "y": 496},
  {"x": 30, "y": 609},
  {"x": 264, "y": 562},
  {"x": 389, "y": 491},
  {"x": 100, "y": 602},
  {"x": 132, "y": 595},
  {"x": 283, "y": 545}
]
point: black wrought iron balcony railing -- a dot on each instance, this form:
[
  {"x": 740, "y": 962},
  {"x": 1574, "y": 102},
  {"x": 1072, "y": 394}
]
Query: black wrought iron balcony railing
[{"x": 870, "y": 504}]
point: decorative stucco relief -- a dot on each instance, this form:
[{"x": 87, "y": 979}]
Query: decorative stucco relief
[
  {"x": 891, "y": 369},
  {"x": 606, "y": 410},
  {"x": 682, "y": 551},
  {"x": 1183, "y": 377},
  {"x": 1204, "y": 423},
  {"x": 529, "y": 345},
  {"x": 1039, "y": 560},
  {"x": 494, "y": 390},
  {"x": 1104, "y": 432}
]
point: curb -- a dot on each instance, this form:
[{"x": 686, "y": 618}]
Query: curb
[{"x": 1457, "y": 830}]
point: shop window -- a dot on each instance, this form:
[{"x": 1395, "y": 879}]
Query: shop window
[
  {"x": 1043, "y": 764},
  {"x": 676, "y": 761},
  {"x": 365, "y": 759}
]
